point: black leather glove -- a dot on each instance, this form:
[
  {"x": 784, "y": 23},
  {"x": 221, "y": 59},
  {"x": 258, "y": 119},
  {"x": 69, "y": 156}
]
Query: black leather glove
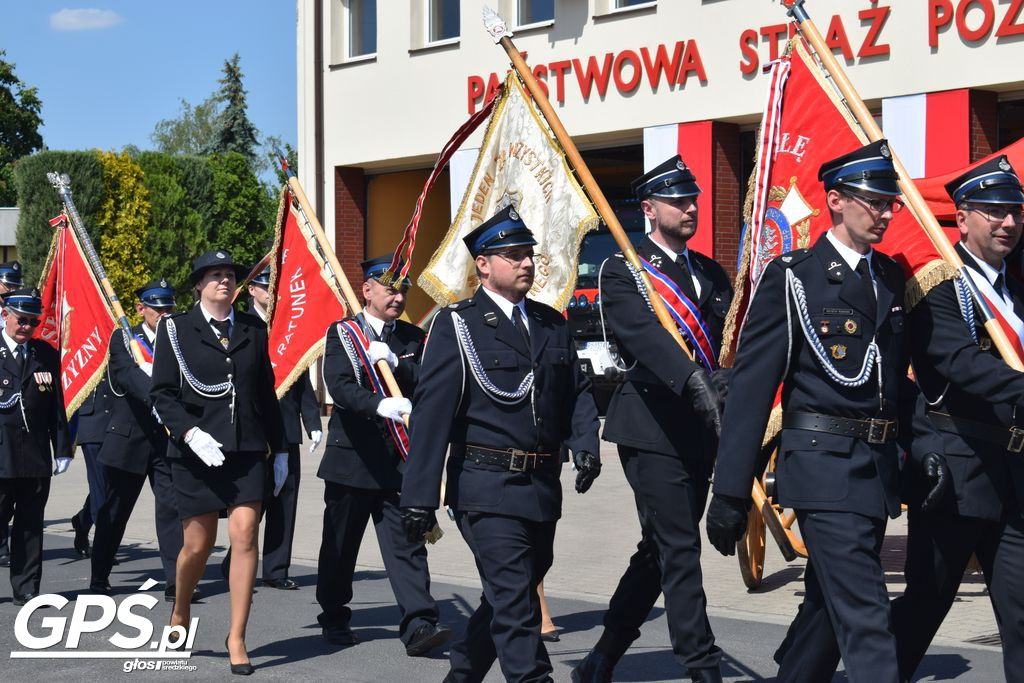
[
  {"x": 720, "y": 379},
  {"x": 726, "y": 523},
  {"x": 588, "y": 468},
  {"x": 705, "y": 400},
  {"x": 936, "y": 471},
  {"x": 416, "y": 522}
]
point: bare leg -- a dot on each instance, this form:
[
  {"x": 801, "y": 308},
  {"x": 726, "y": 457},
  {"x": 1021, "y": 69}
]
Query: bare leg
[
  {"x": 243, "y": 531},
  {"x": 546, "y": 625},
  {"x": 199, "y": 534}
]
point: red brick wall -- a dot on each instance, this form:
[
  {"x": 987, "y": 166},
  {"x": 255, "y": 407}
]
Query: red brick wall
[
  {"x": 984, "y": 123},
  {"x": 350, "y": 221},
  {"x": 727, "y": 210}
]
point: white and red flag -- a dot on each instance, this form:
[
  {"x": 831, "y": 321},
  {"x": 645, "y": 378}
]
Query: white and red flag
[{"x": 76, "y": 319}]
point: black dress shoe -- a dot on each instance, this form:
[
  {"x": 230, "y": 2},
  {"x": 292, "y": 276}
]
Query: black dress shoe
[
  {"x": 551, "y": 636},
  {"x": 170, "y": 594},
  {"x": 81, "y": 538},
  {"x": 339, "y": 635},
  {"x": 245, "y": 669},
  {"x": 284, "y": 584},
  {"x": 426, "y": 638},
  {"x": 5, "y": 560},
  {"x": 595, "y": 668},
  {"x": 706, "y": 675},
  {"x": 22, "y": 599},
  {"x": 100, "y": 587}
]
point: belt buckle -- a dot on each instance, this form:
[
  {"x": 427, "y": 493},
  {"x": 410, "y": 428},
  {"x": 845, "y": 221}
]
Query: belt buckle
[
  {"x": 878, "y": 430},
  {"x": 1016, "y": 444},
  {"x": 525, "y": 460}
]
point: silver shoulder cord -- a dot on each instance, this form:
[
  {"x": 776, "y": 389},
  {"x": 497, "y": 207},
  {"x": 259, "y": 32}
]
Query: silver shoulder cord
[
  {"x": 872, "y": 358},
  {"x": 16, "y": 398},
  {"x": 600, "y": 312},
  {"x": 469, "y": 355},
  {"x": 966, "y": 304},
  {"x": 110, "y": 382},
  {"x": 204, "y": 390},
  {"x": 350, "y": 351}
]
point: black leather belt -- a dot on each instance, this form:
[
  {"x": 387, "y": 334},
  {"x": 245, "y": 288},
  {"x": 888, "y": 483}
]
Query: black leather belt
[
  {"x": 996, "y": 434},
  {"x": 512, "y": 459},
  {"x": 874, "y": 430}
]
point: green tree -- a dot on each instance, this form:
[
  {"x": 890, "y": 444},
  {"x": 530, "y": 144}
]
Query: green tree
[
  {"x": 19, "y": 126},
  {"x": 39, "y": 202},
  {"x": 194, "y": 131},
  {"x": 235, "y": 132},
  {"x": 177, "y": 230},
  {"x": 242, "y": 221},
  {"x": 123, "y": 219}
]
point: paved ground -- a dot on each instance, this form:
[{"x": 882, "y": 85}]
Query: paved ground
[{"x": 595, "y": 538}]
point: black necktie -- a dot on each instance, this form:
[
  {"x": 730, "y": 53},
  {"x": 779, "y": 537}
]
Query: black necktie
[
  {"x": 687, "y": 284},
  {"x": 864, "y": 270},
  {"x": 386, "y": 332},
  {"x": 223, "y": 331},
  {"x": 520, "y": 325},
  {"x": 998, "y": 285},
  {"x": 20, "y": 356}
]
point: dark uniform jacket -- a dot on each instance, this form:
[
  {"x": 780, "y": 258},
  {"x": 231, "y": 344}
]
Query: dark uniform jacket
[
  {"x": 360, "y": 451},
  {"x": 974, "y": 384},
  {"x": 256, "y": 422},
  {"x": 816, "y": 470},
  {"x": 450, "y": 407},
  {"x": 30, "y": 453},
  {"x": 94, "y": 415},
  {"x": 648, "y": 410},
  {"x": 134, "y": 435}
]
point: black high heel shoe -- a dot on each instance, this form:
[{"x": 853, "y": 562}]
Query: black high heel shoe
[{"x": 238, "y": 669}]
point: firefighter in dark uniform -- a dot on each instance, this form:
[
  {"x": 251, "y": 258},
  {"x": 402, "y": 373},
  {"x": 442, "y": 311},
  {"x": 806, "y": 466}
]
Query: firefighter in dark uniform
[
  {"x": 10, "y": 279},
  {"x": 35, "y": 430},
  {"x": 842, "y": 362},
  {"x": 502, "y": 386},
  {"x": 361, "y": 468},
  {"x": 135, "y": 447},
  {"x": 299, "y": 408},
  {"x": 977, "y": 402},
  {"x": 662, "y": 418}
]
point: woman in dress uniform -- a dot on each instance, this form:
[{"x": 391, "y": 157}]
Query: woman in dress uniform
[{"x": 213, "y": 387}]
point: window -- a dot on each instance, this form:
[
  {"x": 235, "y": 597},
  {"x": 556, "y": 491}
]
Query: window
[
  {"x": 442, "y": 20},
  {"x": 630, "y": 3},
  {"x": 362, "y": 27},
  {"x": 536, "y": 11}
]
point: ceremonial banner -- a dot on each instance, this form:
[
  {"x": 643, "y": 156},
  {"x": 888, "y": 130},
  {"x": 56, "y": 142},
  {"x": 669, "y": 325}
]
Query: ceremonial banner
[
  {"x": 76, "y": 319},
  {"x": 304, "y": 300},
  {"x": 519, "y": 160}
]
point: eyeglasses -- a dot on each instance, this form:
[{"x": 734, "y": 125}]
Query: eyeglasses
[
  {"x": 997, "y": 213},
  {"x": 878, "y": 205},
  {"x": 515, "y": 257},
  {"x": 29, "y": 322}
]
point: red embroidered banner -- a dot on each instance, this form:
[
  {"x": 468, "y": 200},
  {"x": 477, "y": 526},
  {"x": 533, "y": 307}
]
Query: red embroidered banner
[{"x": 76, "y": 318}]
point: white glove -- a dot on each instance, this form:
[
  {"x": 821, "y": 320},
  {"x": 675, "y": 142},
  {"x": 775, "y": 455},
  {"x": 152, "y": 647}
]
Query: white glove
[
  {"x": 146, "y": 368},
  {"x": 315, "y": 437},
  {"x": 381, "y": 351},
  {"x": 280, "y": 471},
  {"x": 61, "y": 465},
  {"x": 394, "y": 407},
  {"x": 205, "y": 447}
]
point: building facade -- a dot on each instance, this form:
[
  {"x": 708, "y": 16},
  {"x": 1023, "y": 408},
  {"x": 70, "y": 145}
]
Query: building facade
[{"x": 383, "y": 85}]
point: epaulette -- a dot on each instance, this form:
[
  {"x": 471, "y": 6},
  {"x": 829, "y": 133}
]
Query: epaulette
[
  {"x": 460, "y": 305},
  {"x": 791, "y": 258}
]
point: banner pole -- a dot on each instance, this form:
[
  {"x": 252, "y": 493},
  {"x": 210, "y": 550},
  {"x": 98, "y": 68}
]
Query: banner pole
[
  {"x": 62, "y": 183},
  {"x": 917, "y": 203},
  {"x": 349, "y": 296},
  {"x": 496, "y": 27}
]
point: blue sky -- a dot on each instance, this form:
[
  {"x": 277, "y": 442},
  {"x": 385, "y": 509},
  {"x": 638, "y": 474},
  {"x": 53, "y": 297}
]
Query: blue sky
[{"x": 108, "y": 70}]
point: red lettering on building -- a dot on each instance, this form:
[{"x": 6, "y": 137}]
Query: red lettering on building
[
  {"x": 940, "y": 14},
  {"x": 988, "y": 18},
  {"x": 593, "y": 75},
  {"x": 748, "y": 48},
  {"x": 871, "y": 47},
  {"x": 621, "y": 59},
  {"x": 1009, "y": 26},
  {"x": 692, "y": 64},
  {"x": 835, "y": 38},
  {"x": 662, "y": 64}
]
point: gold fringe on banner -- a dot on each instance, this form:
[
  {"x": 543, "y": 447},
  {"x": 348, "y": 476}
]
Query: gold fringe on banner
[
  {"x": 282, "y": 206},
  {"x": 932, "y": 274}
]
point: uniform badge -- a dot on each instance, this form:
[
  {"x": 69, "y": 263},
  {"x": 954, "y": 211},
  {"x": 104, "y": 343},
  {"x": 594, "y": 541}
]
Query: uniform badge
[
  {"x": 220, "y": 254},
  {"x": 850, "y": 326},
  {"x": 838, "y": 351},
  {"x": 824, "y": 326},
  {"x": 163, "y": 283},
  {"x": 884, "y": 150},
  {"x": 656, "y": 261},
  {"x": 15, "y": 267},
  {"x": 491, "y": 319},
  {"x": 680, "y": 165},
  {"x": 1004, "y": 165},
  {"x": 834, "y": 264},
  {"x": 985, "y": 344},
  {"x": 513, "y": 215},
  {"x": 44, "y": 380},
  {"x": 787, "y": 259}
]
